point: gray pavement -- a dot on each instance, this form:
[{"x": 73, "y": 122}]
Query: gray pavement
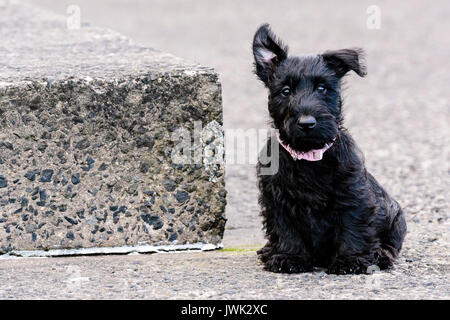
[
  {"x": 398, "y": 114},
  {"x": 213, "y": 275}
]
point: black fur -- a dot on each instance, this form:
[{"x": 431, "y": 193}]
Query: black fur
[{"x": 330, "y": 213}]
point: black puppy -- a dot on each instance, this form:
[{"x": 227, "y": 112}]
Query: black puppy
[{"x": 322, "y": 208}]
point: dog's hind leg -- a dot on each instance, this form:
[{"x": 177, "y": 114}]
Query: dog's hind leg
[
  {"x": 391, "y": 225},
  {"x": 392, "y": 242}
]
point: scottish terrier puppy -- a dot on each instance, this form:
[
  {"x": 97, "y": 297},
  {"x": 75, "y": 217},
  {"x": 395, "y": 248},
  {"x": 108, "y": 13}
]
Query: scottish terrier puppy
[{"x": 322, "y": 208}]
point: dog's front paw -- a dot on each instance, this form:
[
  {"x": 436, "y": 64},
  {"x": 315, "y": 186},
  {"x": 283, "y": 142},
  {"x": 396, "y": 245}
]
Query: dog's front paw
[
  {"x": 342, "y": 266},
  {"x": 265, "y": 253},
  {"x": 286, "y": 263}
]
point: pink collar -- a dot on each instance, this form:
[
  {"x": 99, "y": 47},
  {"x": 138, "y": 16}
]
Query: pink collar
[{"x": 311, "y": 155}]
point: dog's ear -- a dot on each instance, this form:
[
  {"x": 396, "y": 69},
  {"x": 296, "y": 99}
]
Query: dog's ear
[
  {"x": 342, "y": 61},
  {"x": 268, "y": 51}
]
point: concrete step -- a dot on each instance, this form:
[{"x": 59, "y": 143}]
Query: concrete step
[{"x": 87, "y": 119}]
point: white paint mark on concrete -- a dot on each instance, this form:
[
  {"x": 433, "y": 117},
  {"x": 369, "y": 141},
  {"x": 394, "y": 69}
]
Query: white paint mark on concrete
[{"x": 111, "y": 250}]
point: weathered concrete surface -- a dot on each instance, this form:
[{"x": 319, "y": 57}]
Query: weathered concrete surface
[{"x": 86, "y": 118}]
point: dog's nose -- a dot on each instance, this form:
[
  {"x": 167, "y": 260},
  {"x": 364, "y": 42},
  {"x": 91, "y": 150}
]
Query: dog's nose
[{"x": 306, "y": 122}]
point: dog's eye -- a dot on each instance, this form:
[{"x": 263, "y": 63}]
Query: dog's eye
[
  {"x": 321, "y": 88},
  {"x": 286, "y": 91}
]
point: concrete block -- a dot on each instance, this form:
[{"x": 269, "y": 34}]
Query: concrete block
[{"x": 86, "y": 118}]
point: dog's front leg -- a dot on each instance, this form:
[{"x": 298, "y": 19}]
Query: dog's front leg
[{"x": 285, "y": 252}]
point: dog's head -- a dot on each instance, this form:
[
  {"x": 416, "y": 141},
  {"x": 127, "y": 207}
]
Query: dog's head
[{"x": 304, "y": 91}]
